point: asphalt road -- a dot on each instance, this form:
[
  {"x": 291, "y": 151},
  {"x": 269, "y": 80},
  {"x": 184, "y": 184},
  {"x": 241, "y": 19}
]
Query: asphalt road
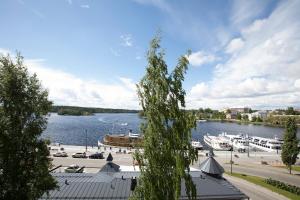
[{"x": 254, "y": 192}]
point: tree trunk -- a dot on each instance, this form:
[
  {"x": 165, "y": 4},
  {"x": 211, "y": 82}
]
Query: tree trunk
[{"x": 290, "y": 168}]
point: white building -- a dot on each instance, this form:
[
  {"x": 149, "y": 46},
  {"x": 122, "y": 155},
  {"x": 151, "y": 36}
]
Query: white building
[{"x": 258, "y": 114}]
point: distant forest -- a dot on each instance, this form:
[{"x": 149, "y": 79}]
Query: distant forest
[{"x": 74, "y": 110}]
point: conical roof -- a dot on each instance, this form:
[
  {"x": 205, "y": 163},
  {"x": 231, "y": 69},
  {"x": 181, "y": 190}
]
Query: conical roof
[
  {"x": 211, "y": 166},
  {"x": 109, "y": 158},
  {"x": 110, "y": 167}
]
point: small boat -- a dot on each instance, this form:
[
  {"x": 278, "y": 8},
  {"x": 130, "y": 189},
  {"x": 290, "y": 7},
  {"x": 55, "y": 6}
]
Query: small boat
[
  {"x": 197, "y": 145},
  {"x": 122, "y": 140},
  {"x": 217, "y": 143},
  {"x": 74, "y": 169},
  {"x": 201, "y": 120},
  {"x": 124, "y": 124}
]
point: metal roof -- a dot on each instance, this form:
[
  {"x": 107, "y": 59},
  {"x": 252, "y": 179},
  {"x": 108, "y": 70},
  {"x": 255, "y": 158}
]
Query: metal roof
[
  {"x": 110, "y": 167},
  {"x": 116, "y": 185},
  {"x": 211, "y": 166}
]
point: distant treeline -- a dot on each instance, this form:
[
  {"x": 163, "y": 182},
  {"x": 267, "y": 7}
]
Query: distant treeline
[{"x": 74, "y": 110}]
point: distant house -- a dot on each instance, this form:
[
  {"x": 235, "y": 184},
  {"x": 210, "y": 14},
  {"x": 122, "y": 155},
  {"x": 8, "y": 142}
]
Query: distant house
[
  {"x": 258, "y": 114},
  {"x": 231, "y": 115},
  {"x": 112, "y": 183},
  {"x": 236, "y": 110}
]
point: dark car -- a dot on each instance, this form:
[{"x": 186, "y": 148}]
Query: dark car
[{"x": 96, "y": 156}]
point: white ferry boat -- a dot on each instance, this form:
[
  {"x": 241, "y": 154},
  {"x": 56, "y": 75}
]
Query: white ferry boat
[
  {"x": 238, "y": 142},
  {"x": 197, "y": 145},
  {"x": 266, "y": 144},
  {"x": 217, "y": 142}
]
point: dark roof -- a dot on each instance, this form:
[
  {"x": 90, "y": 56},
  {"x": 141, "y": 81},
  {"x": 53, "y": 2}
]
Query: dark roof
[
  {"x": 109, "y": 158},
  {"x": 116, "y": 185},
  {"x": 110, "y": 167},
  {"x": 211, "y": 166}
]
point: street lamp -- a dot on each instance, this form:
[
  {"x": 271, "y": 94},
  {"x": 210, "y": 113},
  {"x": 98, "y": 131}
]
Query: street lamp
[
  {"x": 231, "y": 161},
  {"x": 85, "y": 140}
]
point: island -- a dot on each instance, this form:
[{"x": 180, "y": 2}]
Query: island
[{"x": 85, "y": 111}]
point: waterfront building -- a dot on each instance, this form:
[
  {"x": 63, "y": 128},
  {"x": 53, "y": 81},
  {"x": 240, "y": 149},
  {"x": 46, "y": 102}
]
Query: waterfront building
[{"x": 111, "y": 182}]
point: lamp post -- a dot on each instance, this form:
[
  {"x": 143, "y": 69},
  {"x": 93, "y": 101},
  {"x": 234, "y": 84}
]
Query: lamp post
[
  {"x": 248, "y": 145},
  {"x": 85, "y": 140},
  {"x": 231, "y": 161}
]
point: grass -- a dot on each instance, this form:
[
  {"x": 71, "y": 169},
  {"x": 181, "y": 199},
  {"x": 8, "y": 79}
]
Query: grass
[
  {"x": 294, "y": 167},
  {"x": 260, "y": 181}
]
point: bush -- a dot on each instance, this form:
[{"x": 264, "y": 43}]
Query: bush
[{"x": 290, "y": 188}]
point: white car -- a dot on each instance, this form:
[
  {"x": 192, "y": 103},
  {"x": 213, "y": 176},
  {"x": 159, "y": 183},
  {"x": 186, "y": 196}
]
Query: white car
[
  {"x": 79, "y": 155},
  {"x": 60, "y": 154}
]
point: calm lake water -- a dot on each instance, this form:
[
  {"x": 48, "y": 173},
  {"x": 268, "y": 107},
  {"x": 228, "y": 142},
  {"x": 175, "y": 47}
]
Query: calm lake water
[{"x": 71, "y": 129}]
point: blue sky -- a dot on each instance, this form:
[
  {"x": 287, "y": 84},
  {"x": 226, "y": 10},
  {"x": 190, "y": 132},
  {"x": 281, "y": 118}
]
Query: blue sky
[{"x": 91, "y": 53}]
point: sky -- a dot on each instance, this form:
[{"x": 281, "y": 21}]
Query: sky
[{"x": 93, "y": 53}]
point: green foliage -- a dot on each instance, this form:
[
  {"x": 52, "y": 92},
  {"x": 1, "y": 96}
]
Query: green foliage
[
  {"x": 290, "y": 146},
  {"x": 258, "y": 119},
  {"x": 167, "y": 131},
  {"x": 287, "y": 187},
  {"x": 239, "y": 116},
  {"x": 245, "y": 117},
  {"x": 281, "y": 120},
  {"x": 66, "y": 111},
  {"x": 24, "y": 161},
  {"x": 74, "y": 110},
  {"x": 261, "y": 182},
  {"x": 290, "y": 111},
  {"x": 254, "y": 118}
]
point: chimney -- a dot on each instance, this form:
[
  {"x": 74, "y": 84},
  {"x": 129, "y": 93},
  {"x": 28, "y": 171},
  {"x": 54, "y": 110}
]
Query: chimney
[{"x": 133, "y": 183}]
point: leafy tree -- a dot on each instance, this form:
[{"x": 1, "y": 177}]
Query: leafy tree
[
  {"x": 259, "y": 119},
  {"x": 290, "y": 145},
  {"x": 245, "y": 117},
  {"x": 254, "y": 118},
  {"x": 24, "y": 161},
  {"x": 239, "y": 116},
  {"x": 290, "y": 111},
  {"x": 208, "y": 110},
  {"x": 167, "y": 130}
]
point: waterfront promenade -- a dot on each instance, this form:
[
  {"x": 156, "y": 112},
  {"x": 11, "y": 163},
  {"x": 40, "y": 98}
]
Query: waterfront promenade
[{"x": 242, "y": 164}]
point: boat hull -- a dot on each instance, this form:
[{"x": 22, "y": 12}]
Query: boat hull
[
  {"x": 122, "y": 141},
  {"x": 214, "y": 144}
]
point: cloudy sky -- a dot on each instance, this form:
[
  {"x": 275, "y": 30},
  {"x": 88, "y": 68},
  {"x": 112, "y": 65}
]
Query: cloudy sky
[{"x": 92, "y": 53}]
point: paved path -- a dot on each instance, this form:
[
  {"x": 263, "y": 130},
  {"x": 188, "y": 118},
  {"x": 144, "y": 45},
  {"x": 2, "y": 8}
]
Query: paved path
[
  {"x": 267, "y": 172},
  {"x": 253, "y": 191}
]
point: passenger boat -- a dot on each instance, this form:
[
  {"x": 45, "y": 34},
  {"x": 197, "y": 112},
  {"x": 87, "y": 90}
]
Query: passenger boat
[
  {"x": 122, "y": 140},
  {"x": 197, "y": 145},
  {"x": 238, "y": 142},
  {"x": 266, "y": 144},
  {"x": 217, "y": 143}
]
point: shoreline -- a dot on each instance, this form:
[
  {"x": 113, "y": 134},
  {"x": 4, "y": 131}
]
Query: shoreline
[{"x": 245, "y": 122}]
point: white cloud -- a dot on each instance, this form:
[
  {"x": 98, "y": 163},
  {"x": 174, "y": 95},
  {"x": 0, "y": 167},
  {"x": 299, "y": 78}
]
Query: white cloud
[
  {"x": 67, "y": 89},
  {"x": 199, "y": 58},
  {"x": 126, "y": 40},
  {"x": 244, "y": 11},
  {"x": 264, "y": 72},
  {"x": 85, "y": 6},
  {"x": 235, "y": 45}
]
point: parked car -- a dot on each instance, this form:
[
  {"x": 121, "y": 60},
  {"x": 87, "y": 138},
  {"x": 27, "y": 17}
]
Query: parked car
[
  {"x": 96, "y": 156},
  {"x": 74, "y": 169},
  {"x": 60, "y": 154},
  {"x": 79, "y": 155}
]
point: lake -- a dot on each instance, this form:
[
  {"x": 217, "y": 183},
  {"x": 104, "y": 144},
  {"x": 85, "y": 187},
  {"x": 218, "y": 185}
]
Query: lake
[{"x": 72, "y": 130}]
